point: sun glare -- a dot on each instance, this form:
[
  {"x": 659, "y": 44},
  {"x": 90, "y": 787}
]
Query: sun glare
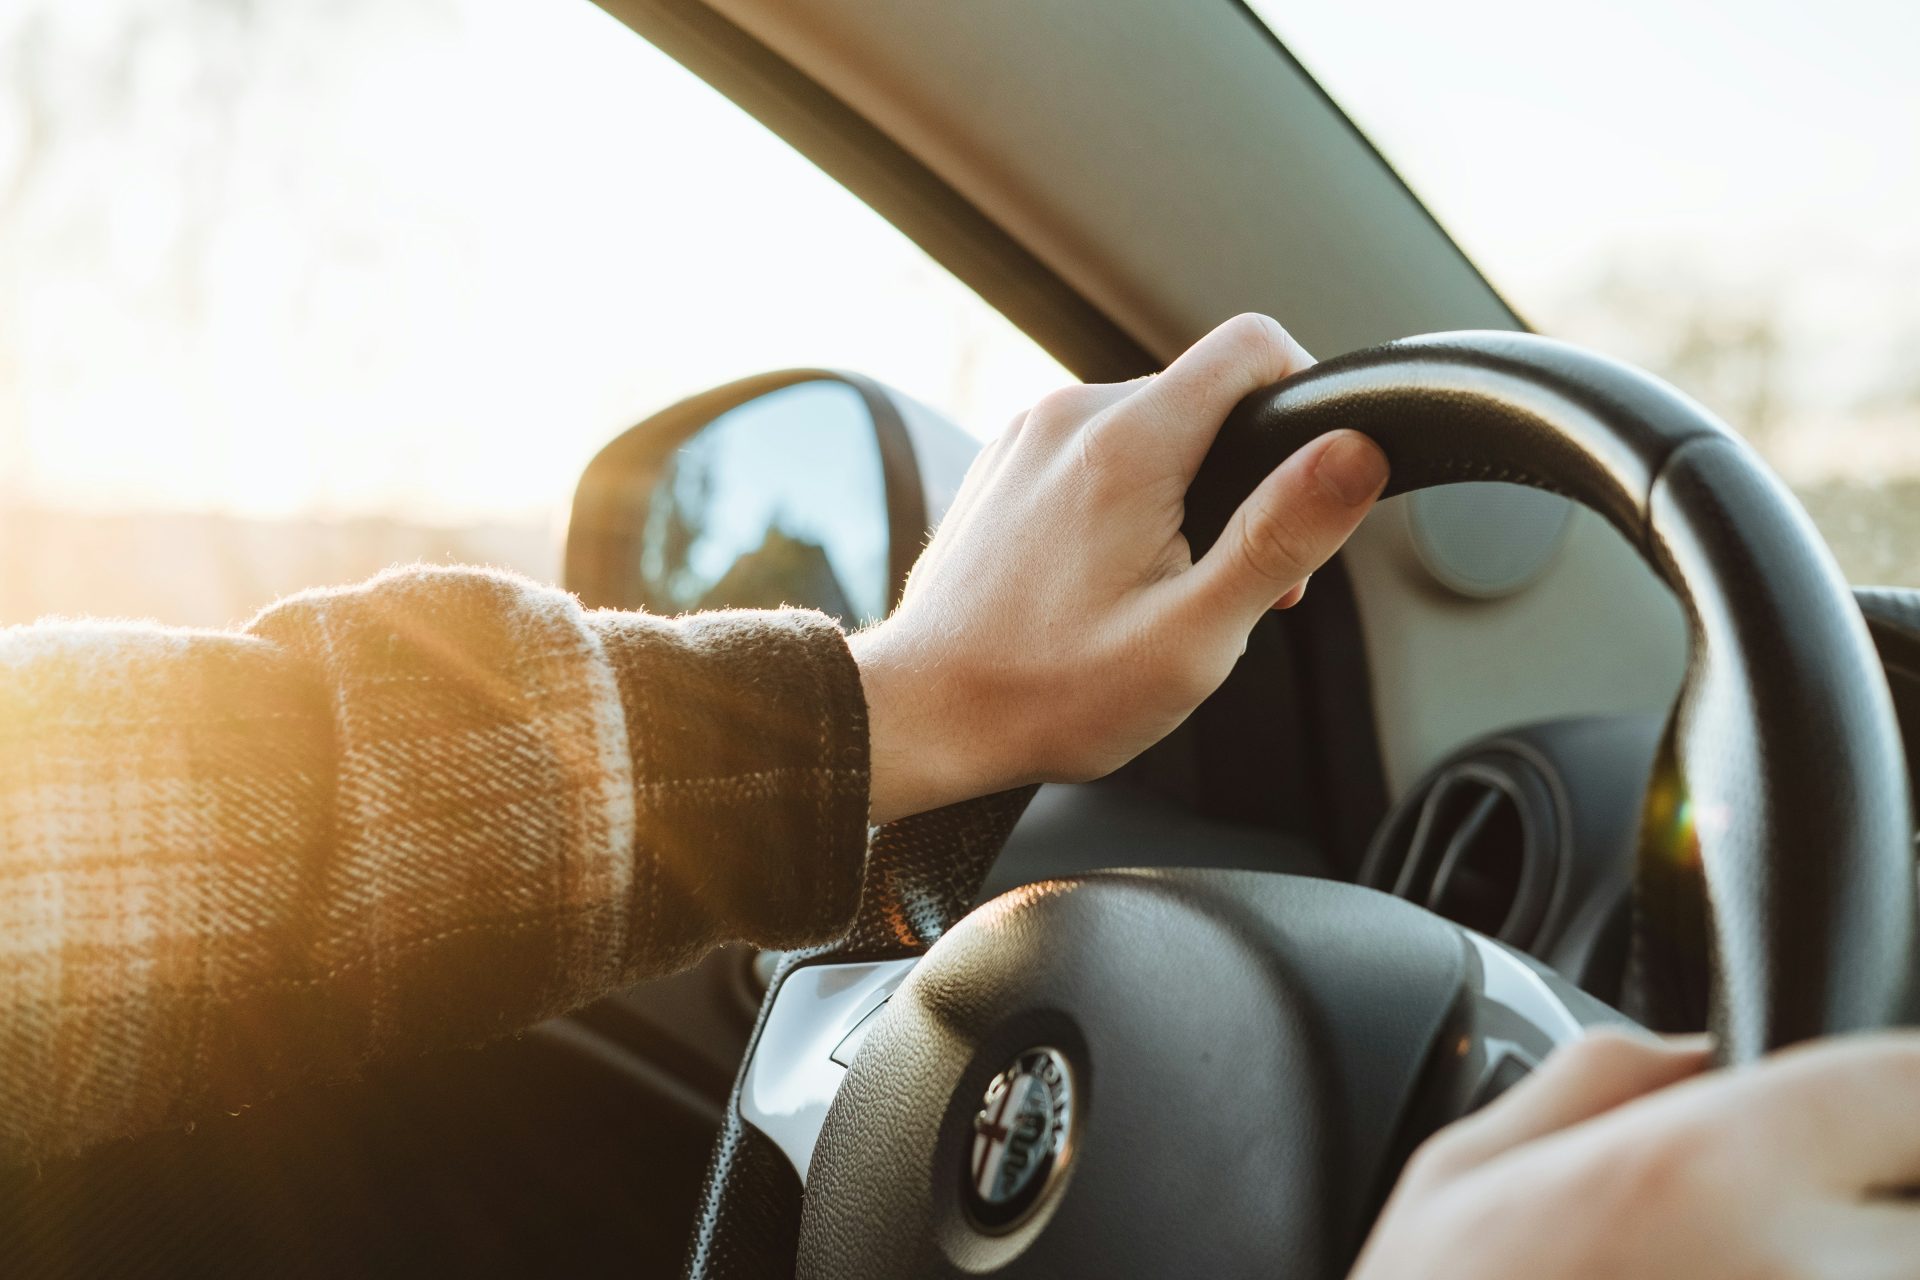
[{"x": 417, "y": 260}]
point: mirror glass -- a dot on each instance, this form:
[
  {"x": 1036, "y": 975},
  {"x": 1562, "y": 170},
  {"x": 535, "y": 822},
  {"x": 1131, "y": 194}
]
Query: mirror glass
[{"x": 781, "y": 500}]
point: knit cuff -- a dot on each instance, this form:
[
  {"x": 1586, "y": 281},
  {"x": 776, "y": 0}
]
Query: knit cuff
[{"x": 750, "y": 774}]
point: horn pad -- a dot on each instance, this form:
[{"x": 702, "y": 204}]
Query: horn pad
[{"x": 1135, "y": 1073}]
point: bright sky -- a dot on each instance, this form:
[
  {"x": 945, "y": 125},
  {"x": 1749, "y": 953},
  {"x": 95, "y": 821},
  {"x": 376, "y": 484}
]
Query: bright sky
[
  {"x": 1764, "y": 151},
  {"x": 1755, "y": 130},
  {"x": 424, "y": 258}
]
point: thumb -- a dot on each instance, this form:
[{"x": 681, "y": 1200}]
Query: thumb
[
  {"x": 1605, "y": 1070},
  {"x": 1289, "y": 526}
]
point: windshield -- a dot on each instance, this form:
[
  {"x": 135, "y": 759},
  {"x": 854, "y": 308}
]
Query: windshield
[{"x": 1726, "y": 194}]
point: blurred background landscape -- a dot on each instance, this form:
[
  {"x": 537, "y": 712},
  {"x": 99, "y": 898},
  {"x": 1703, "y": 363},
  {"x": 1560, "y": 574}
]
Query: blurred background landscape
[
  {"x": 291, "y": 291},
  {"x": 1726, "y": 192}
]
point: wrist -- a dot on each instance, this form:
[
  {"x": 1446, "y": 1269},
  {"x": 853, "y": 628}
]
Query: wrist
[{"x": 921, "y": 752}]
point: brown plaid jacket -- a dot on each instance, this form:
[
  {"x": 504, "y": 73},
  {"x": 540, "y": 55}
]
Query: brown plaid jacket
[{"x": 420, "y": 812}]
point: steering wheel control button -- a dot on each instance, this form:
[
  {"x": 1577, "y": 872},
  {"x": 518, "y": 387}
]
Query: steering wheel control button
[
  {"x": 1022, "y": 1139},
  {"x": 792, "y": 1076}
]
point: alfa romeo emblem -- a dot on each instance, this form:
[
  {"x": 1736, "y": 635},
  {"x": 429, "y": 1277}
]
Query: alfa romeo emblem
[{"x": 1021, "y": 1138}]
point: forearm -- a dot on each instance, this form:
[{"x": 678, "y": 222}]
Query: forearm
[{"x": 423, "y": 812}]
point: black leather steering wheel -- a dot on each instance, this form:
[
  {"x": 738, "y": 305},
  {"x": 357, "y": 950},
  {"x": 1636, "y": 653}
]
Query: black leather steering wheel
[{"x": 1219, "y": 1073}]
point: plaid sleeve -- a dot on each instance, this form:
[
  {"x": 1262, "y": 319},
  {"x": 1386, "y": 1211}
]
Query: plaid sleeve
[{"x": 421, "y": 812}]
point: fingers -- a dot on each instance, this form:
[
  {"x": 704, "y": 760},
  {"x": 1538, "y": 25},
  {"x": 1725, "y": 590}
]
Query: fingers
[
  {"x": 1181, "y": 410},
  {"x": 1605, "y": 1070},
  {"x": 1844, "y": 1112},
  {"x": 1288, "y": 527},
  {"x": 1860, "y": 1242},
  {"x": 1053, "y": 420}
]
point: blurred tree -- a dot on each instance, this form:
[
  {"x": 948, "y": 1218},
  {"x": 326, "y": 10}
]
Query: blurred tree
[
  {"x": 1725, "y": 346},
  {"x": 1729, "y": 346}
]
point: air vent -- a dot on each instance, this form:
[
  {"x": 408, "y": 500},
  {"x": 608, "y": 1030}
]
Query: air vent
[{"x": 1476, "y": 843}]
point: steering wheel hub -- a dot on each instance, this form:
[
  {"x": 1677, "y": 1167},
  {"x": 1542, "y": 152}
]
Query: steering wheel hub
[
  {"x": 1022, "y": 1139},
  {"x": 1145, "y": 1073}
]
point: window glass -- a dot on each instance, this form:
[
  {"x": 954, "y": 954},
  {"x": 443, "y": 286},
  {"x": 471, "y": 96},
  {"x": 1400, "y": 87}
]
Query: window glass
[
  {"x": 1728, "y": 194},
  {"x": 290, "y": 291}
]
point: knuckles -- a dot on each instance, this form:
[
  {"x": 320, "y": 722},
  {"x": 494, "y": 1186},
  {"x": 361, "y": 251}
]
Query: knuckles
[
  {"x": 1258, "y": 343},
  {"x": 1442, "y": 1157},
  {"x": 1603, "y": 1054},
  {"x": 1099, "y": 455},
  {"x": 1064, "y": 409},
  {"x": 1273, "y": 545}
]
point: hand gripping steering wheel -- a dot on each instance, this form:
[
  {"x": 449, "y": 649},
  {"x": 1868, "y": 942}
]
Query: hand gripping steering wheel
[{"x": 1219, "y": 1073}]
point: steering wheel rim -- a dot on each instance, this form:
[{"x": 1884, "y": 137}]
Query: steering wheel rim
[{"x": 1783, "y": 738}]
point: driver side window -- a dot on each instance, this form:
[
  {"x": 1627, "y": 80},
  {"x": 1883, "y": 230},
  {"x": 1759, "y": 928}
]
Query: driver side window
[{"x": 274, "y": 315}]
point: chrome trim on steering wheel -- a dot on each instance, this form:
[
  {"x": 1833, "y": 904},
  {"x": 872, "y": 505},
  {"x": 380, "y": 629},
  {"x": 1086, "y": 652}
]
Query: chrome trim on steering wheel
[{"x": 817, "y": 1020}]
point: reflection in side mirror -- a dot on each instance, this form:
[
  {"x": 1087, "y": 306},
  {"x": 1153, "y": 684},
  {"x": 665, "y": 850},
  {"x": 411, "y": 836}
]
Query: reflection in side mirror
[
  {"x": 803, "y": 488},
  {"x": 781, "y": 500}
]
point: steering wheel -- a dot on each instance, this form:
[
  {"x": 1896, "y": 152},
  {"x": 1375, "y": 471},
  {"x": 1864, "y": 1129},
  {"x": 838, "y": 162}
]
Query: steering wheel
[{"x": 1220, "y": 1073}]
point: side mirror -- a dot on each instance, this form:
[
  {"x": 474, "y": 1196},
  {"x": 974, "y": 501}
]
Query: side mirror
[{"x": 803, "y": 487}]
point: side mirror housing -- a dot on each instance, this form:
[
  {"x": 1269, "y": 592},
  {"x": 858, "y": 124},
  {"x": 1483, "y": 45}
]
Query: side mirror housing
[{"x": 802, "y": 487}]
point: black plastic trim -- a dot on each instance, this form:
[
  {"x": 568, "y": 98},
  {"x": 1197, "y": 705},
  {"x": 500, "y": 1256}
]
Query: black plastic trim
[
  {"x": 1360, "y": 136},
  {"x": 1893, "y": 620}
]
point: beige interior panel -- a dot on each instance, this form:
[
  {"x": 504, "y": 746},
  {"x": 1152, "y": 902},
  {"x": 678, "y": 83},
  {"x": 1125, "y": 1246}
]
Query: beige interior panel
[
  {"x": 1160, "y": 156},
  {"x": 1596, "y": 634}
]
